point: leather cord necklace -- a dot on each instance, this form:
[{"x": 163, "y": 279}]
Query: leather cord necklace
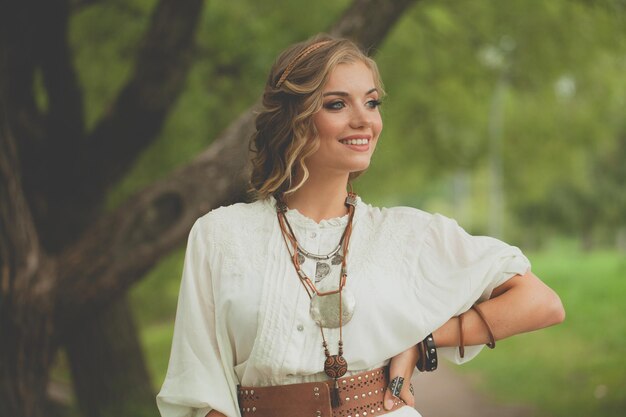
[{"x": 335, "y": 366}]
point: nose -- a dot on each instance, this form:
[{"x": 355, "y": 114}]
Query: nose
[{"x": 360, "y": 117}]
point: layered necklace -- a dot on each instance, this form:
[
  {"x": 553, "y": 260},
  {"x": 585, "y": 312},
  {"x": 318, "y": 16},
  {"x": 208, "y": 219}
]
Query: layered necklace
[
  {"x": 330, "y": 309},
  {"x": 322, "y": 265}
]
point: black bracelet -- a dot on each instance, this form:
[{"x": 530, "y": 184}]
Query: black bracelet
[{"x": 428, "y": 354}]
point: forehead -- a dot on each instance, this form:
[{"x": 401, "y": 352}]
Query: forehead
[{"x": 350, "y": 77}]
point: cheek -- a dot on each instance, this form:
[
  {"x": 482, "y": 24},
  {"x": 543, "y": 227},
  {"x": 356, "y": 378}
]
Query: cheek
[
  {"x": 321, "y": 125},
  {"x": 378, "y": 126},
  {"x": 328, "y": 129}
]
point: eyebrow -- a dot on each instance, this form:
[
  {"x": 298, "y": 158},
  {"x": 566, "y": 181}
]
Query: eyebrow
[{"x": 344, "y": 94}]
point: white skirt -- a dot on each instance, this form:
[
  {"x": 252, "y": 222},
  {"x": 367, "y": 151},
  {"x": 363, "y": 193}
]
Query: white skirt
[{"x": 405, "y": 411}]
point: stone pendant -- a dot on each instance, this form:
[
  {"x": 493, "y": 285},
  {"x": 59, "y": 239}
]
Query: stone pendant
[
  {"x": 321, "y": 270},
  {"x": 337, "y": 259},
  {"x": 325, "y": 309}
]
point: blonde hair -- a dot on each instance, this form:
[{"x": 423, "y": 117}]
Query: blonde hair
[{"x": 285, "y": 133}]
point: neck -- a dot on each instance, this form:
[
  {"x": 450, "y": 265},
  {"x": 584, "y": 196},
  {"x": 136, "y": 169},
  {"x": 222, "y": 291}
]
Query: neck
[{"x": 320, "y": 197}]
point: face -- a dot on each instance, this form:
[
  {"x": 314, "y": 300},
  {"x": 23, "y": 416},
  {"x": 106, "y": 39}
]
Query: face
[{"x": 349, "y": 122}]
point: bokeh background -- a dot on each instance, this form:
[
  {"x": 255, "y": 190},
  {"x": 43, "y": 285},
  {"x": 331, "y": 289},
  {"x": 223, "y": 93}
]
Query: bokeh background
[{"x": 509, "y": 116}]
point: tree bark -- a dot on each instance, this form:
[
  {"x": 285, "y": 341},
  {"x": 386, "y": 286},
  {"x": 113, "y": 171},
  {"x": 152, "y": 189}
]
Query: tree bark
[
  {"x": 108, "y": 369},
  {"x": 34, "y": 38},
  {"x": 137, "y": 115},
  {"x": 367, "y": 22},
  {"x": 26, "y": 285},
  {"x": 50, "y": 166},
  {"x": 97, "y": 350}
]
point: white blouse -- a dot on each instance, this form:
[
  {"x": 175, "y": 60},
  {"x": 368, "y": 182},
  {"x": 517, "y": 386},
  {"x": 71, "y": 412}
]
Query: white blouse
[{"x": 243, "y": 315}]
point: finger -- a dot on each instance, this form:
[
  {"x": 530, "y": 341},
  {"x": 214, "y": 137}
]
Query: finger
[
  {"x": 407, "y": 395},
  {"x": 393, "y": 392}
]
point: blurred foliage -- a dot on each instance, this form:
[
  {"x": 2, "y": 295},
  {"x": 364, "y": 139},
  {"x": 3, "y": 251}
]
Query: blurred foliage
[
  {"x": 560, "y": 64},
  {"x": 577, "y": 368}
]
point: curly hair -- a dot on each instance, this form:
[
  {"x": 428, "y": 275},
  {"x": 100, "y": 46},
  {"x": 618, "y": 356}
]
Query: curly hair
[{"x": 285, "y": 133}]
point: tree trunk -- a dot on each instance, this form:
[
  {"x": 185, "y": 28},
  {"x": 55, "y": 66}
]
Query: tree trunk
[
  {"x": 26, "y": 282},
  {"x": 23, "y": 382},
  {"x": 108, "y": 369},
  {"x": 25, "y": 361}
]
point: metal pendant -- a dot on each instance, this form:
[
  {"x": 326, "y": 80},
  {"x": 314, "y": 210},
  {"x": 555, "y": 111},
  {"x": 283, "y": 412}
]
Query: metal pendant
[
  {"x": 337, "y": 259},
  {"x": 321, "y": 270},
  {"x": 325, "y": 309},
  {"x": 300, "y": 258}
]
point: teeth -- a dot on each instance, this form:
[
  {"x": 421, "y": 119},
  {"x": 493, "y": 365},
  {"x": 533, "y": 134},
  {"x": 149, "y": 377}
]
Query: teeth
[{"x": 355, "y": 141}]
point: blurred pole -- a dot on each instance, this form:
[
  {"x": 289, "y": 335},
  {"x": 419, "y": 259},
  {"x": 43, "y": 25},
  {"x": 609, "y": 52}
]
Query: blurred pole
[
  {"x": 496, "y": 193},
  {"x": 497, "y": 58}
]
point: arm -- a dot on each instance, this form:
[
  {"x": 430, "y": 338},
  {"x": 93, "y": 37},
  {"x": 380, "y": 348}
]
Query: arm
[
  {"x": 455, "y": 270},
  {"x": 521, "y": 304}
]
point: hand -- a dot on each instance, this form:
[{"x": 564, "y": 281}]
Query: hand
[
  {"x": 214, "y": 413},
  {"x": 402, "y": 365}
]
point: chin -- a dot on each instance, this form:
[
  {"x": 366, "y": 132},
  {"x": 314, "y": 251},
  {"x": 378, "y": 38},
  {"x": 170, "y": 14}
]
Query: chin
[{"x": 359, "y": 167}]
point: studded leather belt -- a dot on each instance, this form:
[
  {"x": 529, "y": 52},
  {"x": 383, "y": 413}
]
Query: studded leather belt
[{"x": 361, "y": 396}]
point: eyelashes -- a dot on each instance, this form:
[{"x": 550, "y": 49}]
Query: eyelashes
[
  {"x": 339, "y": 104},
  {"x": 335, "y": 105}
]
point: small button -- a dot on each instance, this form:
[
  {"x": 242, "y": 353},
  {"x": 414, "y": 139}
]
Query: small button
[
  {"x": 313, "y": 235},
  {"x": 300, "y": 327}
]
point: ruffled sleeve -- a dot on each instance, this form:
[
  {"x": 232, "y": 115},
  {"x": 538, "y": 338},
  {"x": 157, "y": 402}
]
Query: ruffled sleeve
[
  {"x": 199, "y": 377},
  {"x": 458, "y": 269}
]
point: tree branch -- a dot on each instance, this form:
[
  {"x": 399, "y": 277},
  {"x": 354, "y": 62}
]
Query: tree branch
[
  {"x": 26, "y": 282},
  {"x": 123, "y": 246},
  {"x": 20, "y": 252},
  {"x": 367, "y": 22},
  {"x": 120, "y": 248},
  {"x": 50, "y": 169},
  {"x": 77, "y": 5},
  {"x": 137, "y": 115}
]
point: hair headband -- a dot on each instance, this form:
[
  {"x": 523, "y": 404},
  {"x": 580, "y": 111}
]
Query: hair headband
[{"x": 297, "y": 59}]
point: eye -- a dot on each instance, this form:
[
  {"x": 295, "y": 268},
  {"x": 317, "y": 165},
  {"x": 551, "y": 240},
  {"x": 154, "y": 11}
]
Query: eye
[
  {"x": 335, "y": 105},
  {"x": 373, "y": 104}
]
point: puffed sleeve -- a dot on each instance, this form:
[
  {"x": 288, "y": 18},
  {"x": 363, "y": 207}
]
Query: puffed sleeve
[
  {"x": 459, "y": 269},
  {"x": 197, "y": 379}
]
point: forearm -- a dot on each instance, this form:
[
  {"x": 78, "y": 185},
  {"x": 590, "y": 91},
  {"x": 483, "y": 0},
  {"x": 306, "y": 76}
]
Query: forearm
[{"x": 522, "y": 304}]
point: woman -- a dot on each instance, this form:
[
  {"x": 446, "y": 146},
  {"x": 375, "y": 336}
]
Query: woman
[{"x": 296, "y": 303}]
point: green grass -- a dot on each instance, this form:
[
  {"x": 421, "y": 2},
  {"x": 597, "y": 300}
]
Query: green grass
[
  {"x": 575, "y": 369},
  {"x": 579, "y": 367}
]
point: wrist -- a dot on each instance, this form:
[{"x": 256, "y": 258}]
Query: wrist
[
  {"x": 427, "y": 350},
  {"x": 448, "y": 334}
]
